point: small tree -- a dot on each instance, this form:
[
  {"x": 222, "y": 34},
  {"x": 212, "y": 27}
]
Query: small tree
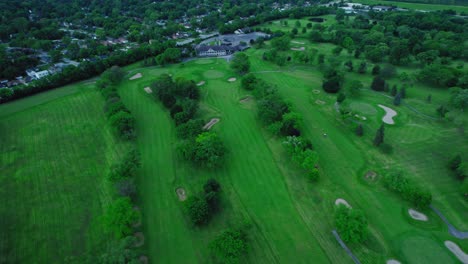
[
  {"x": 240, "y": 63},
  {"x": 376, "y": 70},
  {"x": 362, "y": 67},
  {"x": 198, "y": 210},
  {"x": 120, "y": 216},
  {"x": 429, "y": 98},
  {"x": 359, "y": 130},
  {"x": 349, "y": 65},
  {"x": 378, "y": 84},
  {"x": 403, "y": 92},
  {"x": 351, "y": 224},
  {"x": 340, "y": 97},
  {"x": 354, "y": 88},
  {"x": 379, "y": 136},
  {"x": 394, "y": 90},
  {"x": 442, "y": 111},
  {"x": 397, "y": 99},
  {"x": 229, "y": 246}
]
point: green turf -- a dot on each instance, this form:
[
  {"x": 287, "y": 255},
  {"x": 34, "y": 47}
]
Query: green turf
[
  {"x": 415, "y": 6},
  {"x": 54, "y": 158}
]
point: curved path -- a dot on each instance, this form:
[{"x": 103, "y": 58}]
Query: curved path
[{"x": 452, "y": 230}]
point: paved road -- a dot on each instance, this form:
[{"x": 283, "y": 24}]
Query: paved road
[
  {"x": 343, "y": 245},
  {"x": 452, "y": 230}
]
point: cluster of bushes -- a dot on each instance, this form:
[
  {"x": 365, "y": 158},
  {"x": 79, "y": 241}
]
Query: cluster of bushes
[
  {"x": 181, "y": 97},
  {"x": 460, "y": 169},
  {"x": 117, "y": 113},
  {"x": 278, "y": 118},
  {"x": 302, "y": 153},
  {"x": 395, "y": 181},
  {"x": 203, "y": 206},
  {"x": 230, "y": 245},
  {"x": 351, "y": 224}
]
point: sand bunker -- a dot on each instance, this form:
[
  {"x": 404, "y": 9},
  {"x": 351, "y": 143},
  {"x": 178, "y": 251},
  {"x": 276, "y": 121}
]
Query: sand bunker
[
  {"x": 297, "y": 42},
  {"x": 361, "y": 117},
  {"x": 417, "y": 215},
  {"x": 389, "y": 114},
  {"x": 201, "y": 83},
  {"x": 457, "y": 251},
  {"x": 212, "y": 122},
  {"x": 393, "y": 261},
  {"x": 298, "y": 49},
  {"x": 371, "y": 175},
  {"x": 181, "y": 194},
  {"x": 140, "y": 239},
  {"x": 316, "y": 91},
  {"x": 148, "y": 90},
  {"x": 343, "y": 202},
  {"x": 136, "y": 76},
  {"x": 232, "y": 79},
  {"x": 246, "y": 99},
  {"x": 143, "y": 259},
  {"x": 319, "y": 102}
]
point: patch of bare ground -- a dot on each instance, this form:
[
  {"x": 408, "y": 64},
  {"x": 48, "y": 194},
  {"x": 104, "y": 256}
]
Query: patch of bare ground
[
  {"x": 136, "y": 76},
  {"x": 370, "y": 176},
  {"x": 148, "y": 90},
  {"x": 181, "y": 194},
  {"x": 210, "y": 124}
]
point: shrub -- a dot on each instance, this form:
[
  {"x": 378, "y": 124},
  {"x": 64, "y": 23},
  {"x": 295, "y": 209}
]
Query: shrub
[
  {"x": 120, "y": 216},
  {"x": 198, "y": 210},
  {"x": 229, "y": 246},
  {"x": 351, "y": 224}
]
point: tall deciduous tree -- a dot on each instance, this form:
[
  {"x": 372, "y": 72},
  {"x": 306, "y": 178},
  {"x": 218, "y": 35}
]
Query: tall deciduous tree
[{"x": 240, "y": 63}]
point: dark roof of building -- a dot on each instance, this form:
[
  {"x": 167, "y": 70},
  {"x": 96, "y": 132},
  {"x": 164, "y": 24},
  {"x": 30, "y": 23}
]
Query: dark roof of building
[{"x": 217, "y": 48}]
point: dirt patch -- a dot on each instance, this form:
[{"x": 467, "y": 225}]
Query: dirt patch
[
  {"x": 393, "y": 261},
  {"x": 232, "y": 79},
  {"x": 316, "y": 91},
  {"x": 319, "y": 102},
  {"x": 201, "y": 83},
  {"x": 417, "y": 215},
  {"x": 181, "y": 194},
  {"x": 370, "y": 175},
  {"x": 389, "y": 114},
  {"x": 457, "y": 251},
  {"x": 143, "y": 259},
  {"x": 343, "y": 202},
  {"x": 246, "y": 99},
  {"x": 140, "y": 239},
  {"x": 136, "y": 76},
  {"x": 212, "y": 122},
  {"x": 298, "y": 49},
  {"x": 148, "y": 90}
]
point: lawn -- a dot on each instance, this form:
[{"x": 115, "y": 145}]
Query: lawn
[
  {"x": 56, "y": 150},
  {"x": 415, "y": 6}
]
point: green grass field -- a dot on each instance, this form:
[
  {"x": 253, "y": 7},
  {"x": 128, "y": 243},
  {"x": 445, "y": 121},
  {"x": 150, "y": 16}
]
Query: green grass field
[
  {"x": 415, "y": 6},
  {"x": 57, "y": 147}
]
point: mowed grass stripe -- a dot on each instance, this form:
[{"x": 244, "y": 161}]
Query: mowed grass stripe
[{"x": 56, "y": 176}]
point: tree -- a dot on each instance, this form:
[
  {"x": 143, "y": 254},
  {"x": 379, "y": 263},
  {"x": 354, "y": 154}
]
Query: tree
[
  {"x": 114, "y": 75},
  {"x": 198, "y": 210},
  {"x": 229, "y": 246},
  {"x": 429, "y": 98},
  {"x": 351, "y": 224},
  {"x": 379, "y": 136},
  {"x": 378, "y": 84},
  {"x": 281, "y": 43},
  {"x": 455, "y": 162},
  {"x": 340, "y": 97},
  {"x": 376, "y": 70},
  {"x": 464, "y": 187},
  {"x": 120, "y": 216},
  {"x": 388, "y": 71},
  {"x": 337, "y": 50},
  {"x": 55, "y": 55},
  {"x": 209, "y": 150},
  {"x": 190, "y": 129},
  {"x": 354, "y": 88},
  {"x": 124, "y": 123},
  {"x": 120, "y": 252},
  {"x": 332, "y": 85},
  {"x": 126, "y": 187},
  {"x": 403, "y": 92},
  {"x": 349, "y": 65},
  {"x": 459, "y": 98},
  {"x": 394, "y": 90},
  {"x": 397, "y": 99},
  {"x": 359, "y": 130},
  {"x": 348, "y": 44},
  {"x": 294, "y": 31},
  {"x": 240, "y": 63},
  {"x": 442, "y": 111},
  {"x": 362, "y": 67},
  {"x": 291, "y": 124}
]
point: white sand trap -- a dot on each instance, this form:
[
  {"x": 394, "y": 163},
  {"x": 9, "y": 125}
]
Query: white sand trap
[
  {"x": 343, "y": 202},
  {"x": 319, "y": 102},
  {"x": 297, "y": 42},
  {"x": 232, "y": 79},
  {"x": 212, "y": 122},
  {"x": 148, "y": 90},
  {"x": 389, "y": 114},
  {"x": 417, "y": 215},
  {"x": 393, "y": 261},
  {"x": 136, "y": 76},
  {"x": 181, "y": 194},
  {"x": 316, "y": 91},
  {"x": 201, "y": 83},
  {"x": 298, "y": 49},
  {"x": 457, "y": 251}
]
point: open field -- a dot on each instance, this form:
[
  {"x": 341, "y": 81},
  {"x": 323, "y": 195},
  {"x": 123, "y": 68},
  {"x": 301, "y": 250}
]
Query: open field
[{"x": 56, "y": 150}]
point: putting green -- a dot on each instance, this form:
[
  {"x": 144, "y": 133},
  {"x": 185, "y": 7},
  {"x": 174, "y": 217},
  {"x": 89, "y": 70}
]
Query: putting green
[
  {"x": 363, "y": 108},
  {"x": 419, "y": 249},
  {"x": 213, "y": 74},
  {"x": 415, "y": 133}
]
